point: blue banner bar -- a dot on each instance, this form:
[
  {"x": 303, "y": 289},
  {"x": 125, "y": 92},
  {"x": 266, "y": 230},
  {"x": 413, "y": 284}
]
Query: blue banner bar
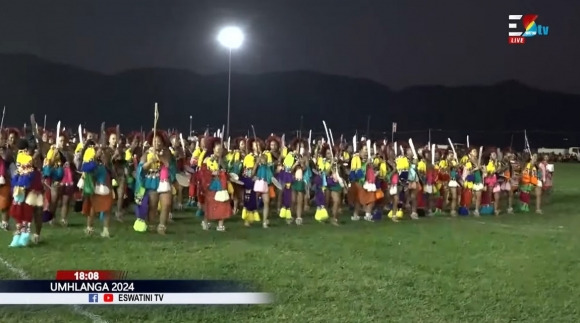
[{"x": 129, "y": 286}]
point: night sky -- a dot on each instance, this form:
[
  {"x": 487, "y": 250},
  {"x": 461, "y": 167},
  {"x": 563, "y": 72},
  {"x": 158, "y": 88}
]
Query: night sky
[{"x": 398, "y": 43}]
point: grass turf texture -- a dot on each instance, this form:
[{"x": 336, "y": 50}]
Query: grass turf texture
[{"x": 520, "y": 267}]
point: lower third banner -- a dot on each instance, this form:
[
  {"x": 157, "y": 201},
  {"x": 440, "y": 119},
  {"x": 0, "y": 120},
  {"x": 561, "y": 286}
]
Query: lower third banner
[{"x": 134, "y": 298}]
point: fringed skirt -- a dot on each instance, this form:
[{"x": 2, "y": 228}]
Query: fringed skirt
[
  {"x": 5, "y": 198},
  {"x": 99, "y": 203},
  {"x": 214, "y": 210},
  {"x": 357, "y": 194}
]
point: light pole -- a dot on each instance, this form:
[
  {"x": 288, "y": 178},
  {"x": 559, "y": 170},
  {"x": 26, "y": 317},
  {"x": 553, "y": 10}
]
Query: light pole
[
  {"x": 190, "y": 125},
  {"x": 231, "y": 38}
]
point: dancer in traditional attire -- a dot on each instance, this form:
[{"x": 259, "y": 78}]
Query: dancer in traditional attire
[
  {"x": 197, "y": 158},
  {"x": 57, "y": 171},
  {"x": 395, "y": 213},
  {"x": 322, "y": 193},
  {"x": 413, "y": 186},
  {"x": 153, "y": 191},
  {"x": 515, "y": 177},
  {"x": 235, "y": 159},
  {"x": 449, "y": 174},
  {"x": 132, "y": 157},
  {"x": 334, "y": 183},
  {"x": 363, "y": 184},
  {"x": 492, "y": 186},
  {"x": 179, "y": 153},
  {"x": 403, "y": 164},
  {"x": 27, "y": 192},
  {"x": 381, "y": 169},
  {"x": 7, "y": 160},
  {"x": 292, "y": 179},
  {"x": 213, "y": 176},
  {"x": 275, "y": 152},
  {"x": 264, "y": 181},
  {"x": 250, "y": 165},
  {"x": 530, "y": 183},
  {"x": 96, "y": 185},
  {"x": 547, "y": 174},
  {"x": 472, "y": 176},
  {"x": 428, "y": 175},
  {"x": 118, "y": 168},
  {"x": 5, "y": 187}
]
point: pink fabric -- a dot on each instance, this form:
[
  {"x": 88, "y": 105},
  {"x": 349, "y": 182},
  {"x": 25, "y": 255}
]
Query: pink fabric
[
  {"x": 2, "y": 167},
  {"x": 164, "y": 173},
  {"x": 395, "y": 179},
  {"x": 431, "y": 176},
  {"x": 506, "y": 186},
  {"x": 544, "y": 171},
  {"x": 547, "y": 176},
  {"x": 370, "y": 174},
  {"x": 67, "y": 178},
  {"x": 491, "y": 180}
]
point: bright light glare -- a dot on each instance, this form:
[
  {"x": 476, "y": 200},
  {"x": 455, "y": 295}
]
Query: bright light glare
[{"x": 231, "y": 37}]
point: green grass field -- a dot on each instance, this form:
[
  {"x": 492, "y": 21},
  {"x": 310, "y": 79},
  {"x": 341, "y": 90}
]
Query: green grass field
[{"x": 514, "y": 268}]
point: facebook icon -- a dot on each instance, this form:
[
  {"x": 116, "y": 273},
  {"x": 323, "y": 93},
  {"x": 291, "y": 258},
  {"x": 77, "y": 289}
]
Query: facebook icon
[{"x": 93, "y": 298}]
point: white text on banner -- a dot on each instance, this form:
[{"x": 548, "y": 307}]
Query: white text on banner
[{"x": 134, "y": 298}]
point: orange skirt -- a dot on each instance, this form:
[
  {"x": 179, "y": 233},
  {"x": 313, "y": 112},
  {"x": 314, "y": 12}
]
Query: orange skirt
[
  {"x": 357, "y": 194},
  {"x": 272, "y": 191},
  {"x": 5, "y": 198},
  {"x": 99, "y": 203}
]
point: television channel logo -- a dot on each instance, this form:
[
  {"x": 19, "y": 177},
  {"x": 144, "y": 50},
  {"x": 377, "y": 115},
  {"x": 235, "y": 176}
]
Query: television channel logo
[{"x": 531, "y": 28}]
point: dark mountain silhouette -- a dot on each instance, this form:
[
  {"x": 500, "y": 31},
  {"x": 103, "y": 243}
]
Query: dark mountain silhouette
[{"x": 276, "y": 102}]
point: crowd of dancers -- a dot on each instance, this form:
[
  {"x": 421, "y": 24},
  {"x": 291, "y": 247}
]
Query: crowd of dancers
[{"x": 46, "y": 175}]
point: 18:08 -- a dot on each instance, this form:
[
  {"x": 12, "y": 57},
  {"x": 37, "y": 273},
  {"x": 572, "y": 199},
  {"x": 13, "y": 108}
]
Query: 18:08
[{"x": 81, "y": 275}]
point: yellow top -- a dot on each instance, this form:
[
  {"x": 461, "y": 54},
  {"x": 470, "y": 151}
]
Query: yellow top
[
  {"x": 249, "y": 161},
  {"x": 79, "y": 148},
  {"x": 23, "y": 158},
  {"x": 464, "y": 159},
  {"x": 211, "y": 164},
  {"x": 49, "y": 155},
  {"x": 198, "y": 154},
  {"x": 530, "y": 169},
  {"x": 284, "y": 151},
  {"x": 444, "y": 164},
  {"x": 289, "y": 160},
  {"x": 345, "y": 155},
  {"x": 402, "y": 163},
  {"x": 154, "y": 166},
  {"x": 201, "y": 155},
  {"x": 128, "y": 155},
  {"x": 355, "y": 163},
  {"x": 233, "y": 156},
  {"x": 468, "y": 165},
  {"x": 383, "y": 169},
  {"x": 89, "y": 155},
  {"x": 323, "y": 164},
  {"x": 490, "y": 168},
  {"x": 268, "y": 155},
  {"x": 422, "y": 166}
]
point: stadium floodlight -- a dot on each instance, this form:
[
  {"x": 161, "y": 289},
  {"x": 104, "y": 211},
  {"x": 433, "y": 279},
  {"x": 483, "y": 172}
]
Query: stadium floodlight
[{"x": 231, "y": 38}]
